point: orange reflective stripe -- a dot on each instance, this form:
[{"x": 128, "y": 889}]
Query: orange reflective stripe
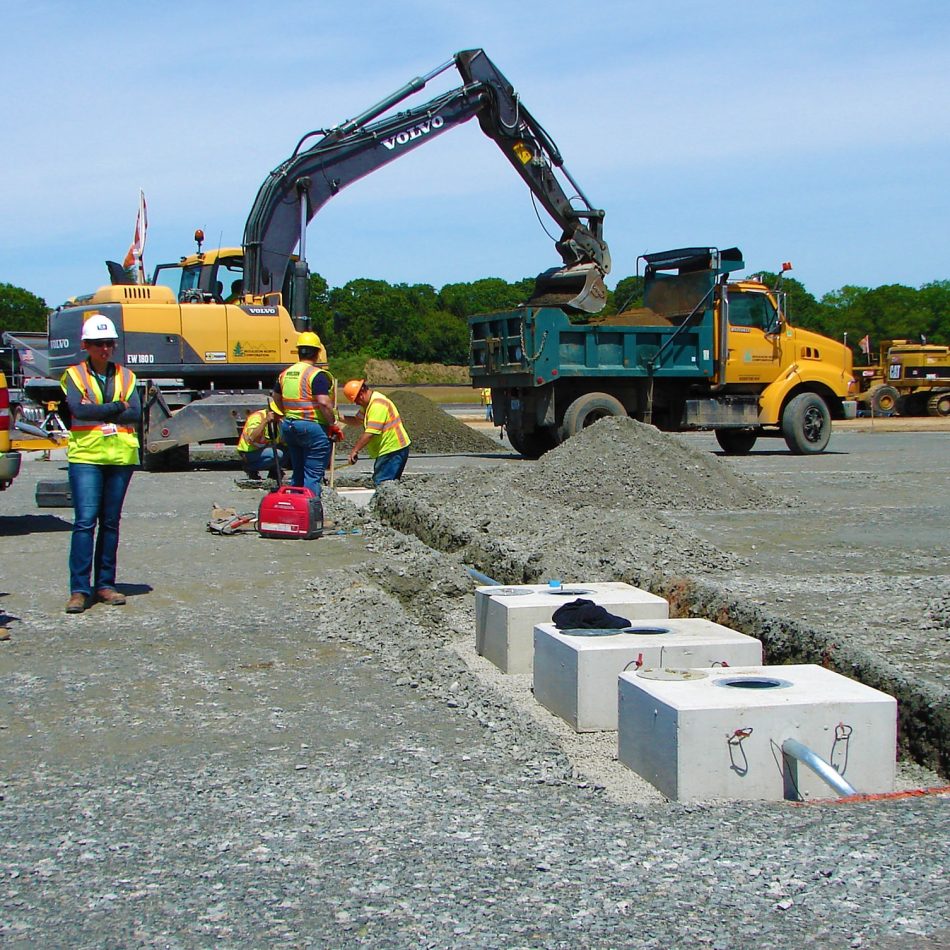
[
  {"x": 89, "y": 385},
  {"x": 300, "y": 404}
]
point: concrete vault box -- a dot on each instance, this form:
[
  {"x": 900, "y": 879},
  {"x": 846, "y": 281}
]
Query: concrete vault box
[
  {"x": 576, "y": 672},
  {"x": 718, "y": 733},
  {"x": 505, "y": 617}
]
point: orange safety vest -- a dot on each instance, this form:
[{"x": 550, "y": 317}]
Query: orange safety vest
[
  {"x": 296, "y": 389},
  {"x": 101, "y": 443}
]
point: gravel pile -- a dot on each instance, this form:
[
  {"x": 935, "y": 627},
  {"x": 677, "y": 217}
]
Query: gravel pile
[
  {"x": 594, "y": 508},
  {"x": 618, "y": 463},
  {"x": 434, "y": 432}
]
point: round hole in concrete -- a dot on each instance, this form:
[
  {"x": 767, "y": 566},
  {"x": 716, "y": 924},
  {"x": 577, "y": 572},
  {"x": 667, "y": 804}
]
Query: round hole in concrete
[
  {"x": 752, "y": 682},
  {"x": 566, "y": 591},
  {"x": 645, "y": 631},
  {"x": 592, "y": 632}
]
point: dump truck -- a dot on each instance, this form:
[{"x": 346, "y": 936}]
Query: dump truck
[
  {"x": 909, "y": 379},
  {"x": 705, "y": 352},
  {"x": 206, "y": 360}
]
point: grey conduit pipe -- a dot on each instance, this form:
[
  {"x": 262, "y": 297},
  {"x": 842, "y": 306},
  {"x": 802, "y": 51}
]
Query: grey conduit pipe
[
  {"x": 483, "y": 579},
  {"x": 826, "y": 772}
]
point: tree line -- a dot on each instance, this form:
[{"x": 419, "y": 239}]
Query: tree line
[{"x": 373, "y": 319}]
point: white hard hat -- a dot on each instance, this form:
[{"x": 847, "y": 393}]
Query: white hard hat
[{"x": 98, "y": 327}]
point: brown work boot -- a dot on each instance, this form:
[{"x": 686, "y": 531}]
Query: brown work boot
[
  {"x": 76, "y": 603},
  {"x": 111, "y": 597}
]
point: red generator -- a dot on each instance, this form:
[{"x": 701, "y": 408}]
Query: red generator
[{"x": 290, "y": 512}]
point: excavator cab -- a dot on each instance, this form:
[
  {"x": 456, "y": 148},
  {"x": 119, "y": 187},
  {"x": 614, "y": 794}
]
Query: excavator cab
[{"x": 214, "y": 277}]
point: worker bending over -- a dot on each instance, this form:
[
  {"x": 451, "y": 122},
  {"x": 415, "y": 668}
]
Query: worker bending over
[
  {"x": 257, "y": 449},
  {"x": 384, "y": 436},
  {"x": 304, "y": 396}
]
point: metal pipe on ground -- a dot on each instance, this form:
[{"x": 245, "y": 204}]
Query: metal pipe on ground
[
  {"x": 824, "y": 770},
  {"x": 483, "y": 579}
]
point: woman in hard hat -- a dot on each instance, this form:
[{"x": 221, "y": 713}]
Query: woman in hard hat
[
  {"x": 303, "y": 395},
  {"x": 384, "y": 435},
  {"x": 105, "y": 410}
]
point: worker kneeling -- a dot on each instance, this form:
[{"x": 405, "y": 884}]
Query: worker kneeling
[
  {"x": 384, "y": 436},
  {"x": 302, "y": 395},
  {"x": 259, "y": 447}
]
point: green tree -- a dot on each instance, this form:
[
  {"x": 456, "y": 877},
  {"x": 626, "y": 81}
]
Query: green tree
[
  {"x": 935, "y": 297},
  {"x": 378, "y": 317},
  {"x": 21, "y": 310},
  {"x": 321, "y": 315},
  {"x": 443, "y": 338},
  {"x": 487, "y": 295},
  {"x": 627, "y": 295}
]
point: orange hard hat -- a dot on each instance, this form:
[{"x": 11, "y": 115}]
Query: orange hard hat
[{"x": 353, "y": 388}]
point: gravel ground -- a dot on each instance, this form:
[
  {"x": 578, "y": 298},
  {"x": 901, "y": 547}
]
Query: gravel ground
[{"x": 293, "y": 743}]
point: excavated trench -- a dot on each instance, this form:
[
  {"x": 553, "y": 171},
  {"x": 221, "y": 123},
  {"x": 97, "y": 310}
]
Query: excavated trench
[{"x": 621, "y": 502}]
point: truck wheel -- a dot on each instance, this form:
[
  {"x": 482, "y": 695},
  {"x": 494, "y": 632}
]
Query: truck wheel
[
  {"x": 588, "y": 409},
  {"x": 806, "y": 424},
  {"x": 736, "y": 441},
  {"x": 171, "y": 460},
  {"x": 883, "y": 400},
  {"x": 939, "y": 404},
  {"x": 532, "y": 445}
]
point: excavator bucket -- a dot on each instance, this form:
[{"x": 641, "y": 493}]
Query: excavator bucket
[{"x": 580, "y": 288}]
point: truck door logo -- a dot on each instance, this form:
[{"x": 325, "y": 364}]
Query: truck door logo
[{"x": 417, "y": 131}]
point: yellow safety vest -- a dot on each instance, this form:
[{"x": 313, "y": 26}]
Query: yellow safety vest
[
  {"x": 247, "y": 444},
  {"x": 296, "y": 389},
  {"x": 101, "y": 443},
  {"x": 381, "y": 417}
]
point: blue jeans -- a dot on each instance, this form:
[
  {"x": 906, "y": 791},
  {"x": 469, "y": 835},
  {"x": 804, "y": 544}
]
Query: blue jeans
[
  {"x": 98, "y": 494},
  {"x": 262, "y": 459},
  {"x": 309, "y": 448},
  {"x": 389, "y": 467}
]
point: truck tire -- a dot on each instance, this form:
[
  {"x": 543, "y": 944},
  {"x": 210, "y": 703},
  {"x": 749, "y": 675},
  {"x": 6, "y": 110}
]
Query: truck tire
[
  {"x": 939, "y": 404},
  {"x": 588, "y": 409},
  {"x": 883, "y": 400},
  {"x": 532, "y": 445},
  {"x": 806, "y": 424},
  {"x": 736, "y": 441}
]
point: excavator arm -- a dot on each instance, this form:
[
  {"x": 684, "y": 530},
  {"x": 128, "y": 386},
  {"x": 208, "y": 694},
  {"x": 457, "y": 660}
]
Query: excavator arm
[{"x": 301, "y": 185}]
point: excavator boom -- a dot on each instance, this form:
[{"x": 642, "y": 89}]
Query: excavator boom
[{"x": 296, "y": 190}]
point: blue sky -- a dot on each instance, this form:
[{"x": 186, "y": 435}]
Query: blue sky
[{"x": 815, "y": 132}]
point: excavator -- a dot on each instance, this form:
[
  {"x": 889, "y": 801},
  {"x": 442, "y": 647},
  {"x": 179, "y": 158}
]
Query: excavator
[{"x": 208, "y": 335}]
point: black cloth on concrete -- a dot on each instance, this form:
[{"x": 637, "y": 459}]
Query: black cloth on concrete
[{"x": 583, "y": 614}]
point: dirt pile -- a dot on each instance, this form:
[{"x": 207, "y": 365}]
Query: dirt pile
[
  {"x": 398, "y": 372},
  {"x": 434, "y": 432},
  {"x": 603, "y": 506},
  {"x": 619, "y": 462}
]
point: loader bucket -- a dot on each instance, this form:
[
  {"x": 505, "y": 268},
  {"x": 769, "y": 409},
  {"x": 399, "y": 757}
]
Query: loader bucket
[{"x": 580, "y": 287}]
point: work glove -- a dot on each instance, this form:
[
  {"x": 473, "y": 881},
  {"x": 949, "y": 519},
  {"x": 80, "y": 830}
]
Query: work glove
[{"x": 335, "y": 433}]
